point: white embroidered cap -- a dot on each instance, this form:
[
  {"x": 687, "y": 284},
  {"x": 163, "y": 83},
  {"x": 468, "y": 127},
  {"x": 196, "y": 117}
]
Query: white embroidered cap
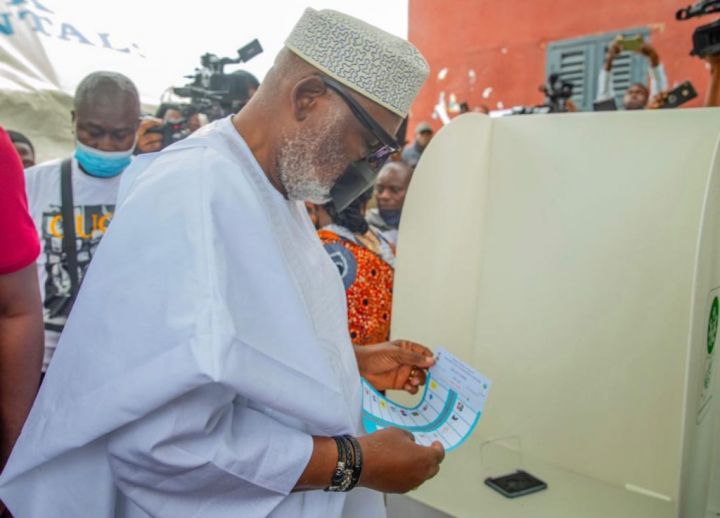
[{"x": 382, "y": 67}]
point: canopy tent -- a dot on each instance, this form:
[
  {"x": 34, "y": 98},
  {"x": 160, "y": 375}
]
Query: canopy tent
[{"x": 43, "y": 56}]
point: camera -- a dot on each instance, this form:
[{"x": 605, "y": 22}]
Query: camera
[
  {"x": 215, "y": 93},
  {"x": 557, "y": 92},
  {"x": 706, "y": 38}
]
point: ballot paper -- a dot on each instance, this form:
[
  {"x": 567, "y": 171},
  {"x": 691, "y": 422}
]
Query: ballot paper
[{"x": 450, "y": 408}]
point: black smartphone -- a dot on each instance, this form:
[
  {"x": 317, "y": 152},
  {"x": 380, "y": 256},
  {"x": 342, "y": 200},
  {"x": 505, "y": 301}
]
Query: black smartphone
[
  {"x": 607, "y": 105},
  {"x": 679, "y": 95},
  {"x": 516, "y": 484}
]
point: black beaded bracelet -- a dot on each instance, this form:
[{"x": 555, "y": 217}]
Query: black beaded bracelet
[
  {"x": 340, "y": 474},
  {"x": 349, "y": 465},
  {"x": 357, "y": 460}
]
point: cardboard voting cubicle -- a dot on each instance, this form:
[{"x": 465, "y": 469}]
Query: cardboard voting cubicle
[{"x": 575, "y": 260}]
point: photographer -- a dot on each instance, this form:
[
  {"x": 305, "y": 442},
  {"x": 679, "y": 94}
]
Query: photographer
[{"x": 638, "y": 95}]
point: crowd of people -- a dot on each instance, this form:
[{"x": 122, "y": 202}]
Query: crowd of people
[
  {"x": 183, "y": 249},
  {"x": 650, "y": 94}
]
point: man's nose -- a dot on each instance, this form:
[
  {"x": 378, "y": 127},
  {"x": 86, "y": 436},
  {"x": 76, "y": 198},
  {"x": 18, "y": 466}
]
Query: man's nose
[{"x": 105, "y": 143}]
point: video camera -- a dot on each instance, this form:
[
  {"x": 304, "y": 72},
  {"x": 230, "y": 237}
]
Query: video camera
[
  {"x": 212, "y": 93},
  {"x": 706, "y": 38},
  {"x": 557, "y": 92},
  {"x": 215, "y": 93}
]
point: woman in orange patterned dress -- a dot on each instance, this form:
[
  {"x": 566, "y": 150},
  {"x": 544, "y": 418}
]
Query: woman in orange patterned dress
[{"x": 365, "y": 262}]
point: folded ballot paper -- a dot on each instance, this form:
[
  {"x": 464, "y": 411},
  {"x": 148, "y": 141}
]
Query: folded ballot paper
[{"x": 449, "y": 410}]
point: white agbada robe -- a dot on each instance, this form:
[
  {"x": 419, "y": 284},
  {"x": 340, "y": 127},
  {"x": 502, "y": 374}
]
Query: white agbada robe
[{"x": 208, "y": 343}]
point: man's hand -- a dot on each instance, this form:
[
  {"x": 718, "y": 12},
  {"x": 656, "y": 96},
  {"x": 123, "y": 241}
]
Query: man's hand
[
  {"x": 613, "y": 51},
  {"x": 394, "y": 463},
  {"x": 712, "y": 98},
  {"x": 713, "y": 61},
  {"x": 21, "y": 352},
  {"x": 658, "y": 101},
  {"x": 649, "y": 52},
  {"x": 398, "y": 365},
  {"x": 149, "y": 142}
]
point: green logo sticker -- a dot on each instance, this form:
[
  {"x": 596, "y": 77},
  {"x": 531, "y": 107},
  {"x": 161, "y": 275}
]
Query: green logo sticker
[{"x": 712, "y": 326}]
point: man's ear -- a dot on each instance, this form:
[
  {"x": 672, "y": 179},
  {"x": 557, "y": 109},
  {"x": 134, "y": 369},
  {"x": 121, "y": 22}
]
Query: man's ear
[
  {"x": 305, "y": 95},
  {"x": 73, "y": 119}
]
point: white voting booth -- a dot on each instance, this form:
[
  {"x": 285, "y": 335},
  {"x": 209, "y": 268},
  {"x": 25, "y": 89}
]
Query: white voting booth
[{"x": 574, "y": 260}]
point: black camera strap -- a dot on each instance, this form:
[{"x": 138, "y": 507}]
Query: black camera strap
[{"x": 68, "y": 217}]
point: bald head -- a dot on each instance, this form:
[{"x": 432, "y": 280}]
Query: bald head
[
  {"x": 99, "y": 85},
  {"x": 106, "y": 111},
  {"x": 392, "y": 184},
  {"x": 636, "y": 97}
]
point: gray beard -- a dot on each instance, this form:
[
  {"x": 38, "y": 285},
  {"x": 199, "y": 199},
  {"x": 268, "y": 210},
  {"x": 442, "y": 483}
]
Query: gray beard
[{"x": 304, "y": 159}]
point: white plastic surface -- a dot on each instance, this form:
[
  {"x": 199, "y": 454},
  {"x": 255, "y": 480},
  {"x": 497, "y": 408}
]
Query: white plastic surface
[{"x": 565, "y": 257}]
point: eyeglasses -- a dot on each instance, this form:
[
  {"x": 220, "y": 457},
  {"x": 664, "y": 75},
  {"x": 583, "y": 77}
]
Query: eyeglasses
[
  {"x": 388, "y": 145},
  {"x": 360, "y": 175}
]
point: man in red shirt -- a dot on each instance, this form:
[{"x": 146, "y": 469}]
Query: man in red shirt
[{"x": 21, "y": 323}]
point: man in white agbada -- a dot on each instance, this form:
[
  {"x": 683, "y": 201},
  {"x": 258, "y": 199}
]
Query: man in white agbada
[{"x": 206, "y": 366}]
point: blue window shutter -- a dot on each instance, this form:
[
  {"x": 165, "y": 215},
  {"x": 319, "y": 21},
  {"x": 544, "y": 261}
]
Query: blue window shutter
[{"x": 573, "y": 62}]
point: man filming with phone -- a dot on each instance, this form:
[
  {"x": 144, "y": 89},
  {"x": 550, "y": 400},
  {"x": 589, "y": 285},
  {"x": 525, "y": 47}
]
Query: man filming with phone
[{"x": 638, "y": 95}]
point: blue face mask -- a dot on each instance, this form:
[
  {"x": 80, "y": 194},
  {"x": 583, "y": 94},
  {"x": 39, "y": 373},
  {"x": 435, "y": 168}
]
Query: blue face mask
[{"x": 102, "y": 164}]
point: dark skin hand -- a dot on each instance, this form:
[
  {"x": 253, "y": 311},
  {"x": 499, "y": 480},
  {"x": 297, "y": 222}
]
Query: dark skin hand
[
  {"x": 396, "y": 464},
  {"x": 396, "y": 365},
  {"x": 149, "y": 142},
  {"x": 392, "y": 462},
  {"x": 712, "y": 97},
  {"x": 658, "y": 101},
  {"x": 649, "y": 52},
  {"x": 613, "y": 51},
  {"x": 21, "y": 351}
]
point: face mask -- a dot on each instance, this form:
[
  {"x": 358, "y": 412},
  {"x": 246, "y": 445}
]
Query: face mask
[
  {"x": 391, "y": 216},
  {"x": 357, "y": 178},
  {"x": 102, "y": 164}
]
